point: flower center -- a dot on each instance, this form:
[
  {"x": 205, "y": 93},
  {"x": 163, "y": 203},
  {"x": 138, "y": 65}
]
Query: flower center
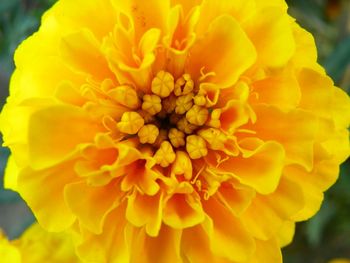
[{"x": 176, "y": 116}]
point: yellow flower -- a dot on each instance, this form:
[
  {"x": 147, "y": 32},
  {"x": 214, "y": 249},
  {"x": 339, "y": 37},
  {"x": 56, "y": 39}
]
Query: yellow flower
[
  {"x": 172, "y": 130},
  {"x": 36, "y": 245},
  {"x": 340, "y": 261}
]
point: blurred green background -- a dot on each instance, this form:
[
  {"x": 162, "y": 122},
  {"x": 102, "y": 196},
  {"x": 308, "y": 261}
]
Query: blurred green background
[{"x": 324, "y": 237}]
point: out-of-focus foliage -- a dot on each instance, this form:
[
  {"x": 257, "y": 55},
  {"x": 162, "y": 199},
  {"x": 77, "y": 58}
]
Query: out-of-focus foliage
[{"x": 324, "y": 237}]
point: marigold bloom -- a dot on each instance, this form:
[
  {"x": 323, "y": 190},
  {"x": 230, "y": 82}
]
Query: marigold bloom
[
  {"x": 250, "y": 130},
  {"x": 36, "y": 245},
  {"x": 342, "y": 260}
]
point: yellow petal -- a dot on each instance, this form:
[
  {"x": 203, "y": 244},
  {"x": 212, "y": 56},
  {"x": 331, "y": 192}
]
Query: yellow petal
[
  {"x": 102, "y": 248},
  {"x": 145, "y": 14},
  {"x": 11, "y": 174},
  {"x": 281, "y": 90},
  {"x": 182, "y": 165},
  {"x": 233, "y": 115},
  {"x": 141, "y": 74},
  {"x": 52, "y": 213},
  {"x": 81, "y": 50},
  {"x": 295, "y": 130},
  {"x": 140, "y": 175},
  {"x": 143, "y": 210},
  {"x": 322, "y": 98},
  {"x": 183, "y": 211},
  {"x": 305, "y": 53},
  {"x": 286, "y": 233},
  {"x": 48, "y": 129},
  {"x": 261, "y": 170},
  {"x": 91, "y": 204},
  {"x": 266, "y": 251},
  {"x": 81, "y": 14},
  {"x": 236, "y": 198},
  {"x": 273, "y": 209},
  {"x": 163, "y": 248},
  {"x": 228, "y": 52},
  {"x": 196, "y": 245},
  {"x": 270, "y": 30},
  {"x": 9, "y": 253},
  {"x": 228, "y": 237},
  {"x": 211, "y": 9}
]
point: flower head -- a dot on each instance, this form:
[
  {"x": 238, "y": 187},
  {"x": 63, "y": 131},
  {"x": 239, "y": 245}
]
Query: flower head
[{"x": 173, "y": 131}]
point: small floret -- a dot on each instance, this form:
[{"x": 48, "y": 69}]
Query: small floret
[
  {"x": 196, "y": 147},
  {"x": 130, "y": 123},
  {"x": 165, "y": 154}
]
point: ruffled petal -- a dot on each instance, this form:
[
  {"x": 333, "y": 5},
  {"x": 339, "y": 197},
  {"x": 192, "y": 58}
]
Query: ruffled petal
[
  {"x": 143, "y": 210},
  {"x": 43, "y": 191},
  {"x": 273, "y": 210},
  {"x": 228, "y": 236},
  {"x": 48, "y": 129},
  {"x": 295, "y": 130},
  {"x": 81, "y": 50},
  {"x": 110, "y": 246},
  {"x": 183, "y": 211},
  {"x": 261, "y": 169},
  {"x": 228, "y": 53},
  {"x": 163, "y": 248},
  {"x": 92, "y": 204},
  {"x": 267, "y": 251},
  {"x": 271, "y": 33}
]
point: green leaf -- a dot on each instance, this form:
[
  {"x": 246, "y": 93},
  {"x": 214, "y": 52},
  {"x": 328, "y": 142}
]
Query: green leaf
[
  {"x": 339, "y": 59},
  {"x": 316, "y": 226},
  {"x": 5, "y": 6}
]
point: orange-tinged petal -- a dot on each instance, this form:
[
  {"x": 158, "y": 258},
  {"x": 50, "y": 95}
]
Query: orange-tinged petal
[
  {"x": 295, "y": 130},
  {"x": 233, "y": 115},
  {"x": 141, "y": 74},
  {"x": 195, "y": 244},
  {"x": 261, "y": 170},
  {"x": 236, "y": 198},
  {"x": 186, "y": 5},
  {"x": 92, "y": 204},
  {"x": 273, "y": 210},
  {"x": 282, "y": 90},
  {"x": 269, "y": 221},
  {"x": 183, "y": 211},
  {"x": 47, "y": 135},
  {"x": 163, "y": 248},
  {"x": 141, "y": 176},
  {"x": 287, "y": 200},
  {"x": 182, "y": 165},
  {"x": 143, "y": 210},
  {"x": 228, "y": 52},
  {"x": 228, "y": 236}
]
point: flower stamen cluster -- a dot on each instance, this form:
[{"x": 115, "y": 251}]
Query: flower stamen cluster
[{"x": 181, "y": 108}]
